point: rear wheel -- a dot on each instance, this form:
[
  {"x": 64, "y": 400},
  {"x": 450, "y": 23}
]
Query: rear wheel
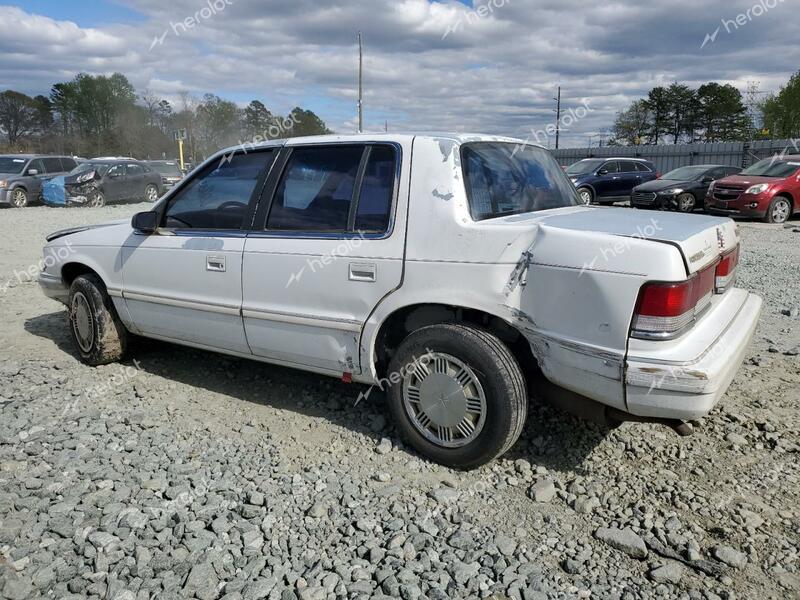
[
  {"x": 686, "y": 202},
  {"x": 460, "y": 397},
  {"x": 151, "y": 193},
  {"x": 779, "y": 211},
  {"x": 19, "y": 198},
  {"x": 96, "y": 329}
]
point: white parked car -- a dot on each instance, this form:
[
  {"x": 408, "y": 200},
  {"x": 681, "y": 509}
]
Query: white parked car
[{"x": 458, "y": 273}]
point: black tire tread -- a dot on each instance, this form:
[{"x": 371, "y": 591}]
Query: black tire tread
[{"x": 111, "y": 337}]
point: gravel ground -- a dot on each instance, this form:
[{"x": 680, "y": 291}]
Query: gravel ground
[{"x": 183, "y": 473}]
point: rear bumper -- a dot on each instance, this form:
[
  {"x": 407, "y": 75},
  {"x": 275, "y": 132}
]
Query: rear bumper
[
  {"x": 666, "y": 387},
  {"x": 53, "y": 287}
]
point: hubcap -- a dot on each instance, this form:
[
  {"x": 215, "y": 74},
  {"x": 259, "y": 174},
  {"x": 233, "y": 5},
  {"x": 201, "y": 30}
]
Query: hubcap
[
  {"x": 686, "y": 202},
  {"x": 152, "y": 193},
  {"x": 96, "y": 199},
  {"x": 82, "y": 321},
  {"x": 444, "y": 400},
  {"x": 781, "y": 211},
  {"x": 20, "y": 199},
  {"x": 586, "y": 196}
]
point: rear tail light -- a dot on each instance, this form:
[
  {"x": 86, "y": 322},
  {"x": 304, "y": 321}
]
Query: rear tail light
[
  {"x": 664, "y": 310},
  {"x": 658, "y": 174},
  {"x": 726, "y": 271}
]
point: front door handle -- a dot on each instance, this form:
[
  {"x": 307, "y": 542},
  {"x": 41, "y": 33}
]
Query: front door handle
[
  {"x": 215, "y": 263},
  {"x": 362, "y": 272}
]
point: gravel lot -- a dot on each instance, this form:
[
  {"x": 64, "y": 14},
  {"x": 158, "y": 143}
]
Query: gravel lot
[{"x": 184, "y": 473}]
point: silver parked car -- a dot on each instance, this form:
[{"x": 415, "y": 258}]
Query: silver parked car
[
  {"x": 458, "y": 273},
  {"x": 22, "y": 175}
]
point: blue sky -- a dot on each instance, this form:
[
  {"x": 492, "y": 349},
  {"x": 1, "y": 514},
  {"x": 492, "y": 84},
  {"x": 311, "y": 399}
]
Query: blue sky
[{"x": 492, "y": 67}]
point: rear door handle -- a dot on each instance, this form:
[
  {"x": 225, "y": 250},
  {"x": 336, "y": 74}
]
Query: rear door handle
[
  {"x": 215, "y": 263},
  {"x": 362, "y": 272}
]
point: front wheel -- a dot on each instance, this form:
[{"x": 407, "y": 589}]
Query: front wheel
[
  {"x": 96, "y": 199},
  {"x": 458, "y": 396},
  {"x": 96, "y": 329},
  {"x": 19, "y": 198},
  {"x": 151, "y": 193},
  {"x": 586, "y": 195},
  {"x": 779, "y": 211},
  {"x": 686, "y": 202}
]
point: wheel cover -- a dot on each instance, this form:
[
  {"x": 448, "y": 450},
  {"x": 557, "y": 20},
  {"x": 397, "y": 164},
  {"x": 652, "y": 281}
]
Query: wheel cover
[
  {"x": 151, "y": 193},
  {"x": 686, "y": 202},
  {"x": 444, "y": 400},
  {"x": 586, "y": 196},
  {"x": 82, "y": 320},
  {"x": 19, "y": 198},
  {"x": 780, "y": 212},
  {"x": 96, "y": 199}
]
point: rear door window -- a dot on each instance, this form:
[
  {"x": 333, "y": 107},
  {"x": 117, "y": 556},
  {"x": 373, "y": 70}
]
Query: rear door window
[
  {"x": 52, "y": 165},
  {"x": 316, "y": 190},
  {"x": 67, "y": 164},
  {"x": 377, "y": 191},
  {"x": 627, "y": 166},
  {"x": 642, "y": 167},
  {"x": 610, "y": 166}
]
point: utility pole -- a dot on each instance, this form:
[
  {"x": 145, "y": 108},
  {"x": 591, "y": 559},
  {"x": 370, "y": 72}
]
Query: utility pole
[
  {"x": 360, "y": 85},
  {"x": 558, "y": 115}
]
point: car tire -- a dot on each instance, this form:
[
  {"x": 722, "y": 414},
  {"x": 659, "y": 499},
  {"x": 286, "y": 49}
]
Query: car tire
[
  {"x": 457, "y": 394},
  {"x": 586, "y": 195},
  {"x": 151, "y": 193},
  {"x": 686, "y": 202},
  {"x": 94, "y": 324},
  {"x": 19, "y": 197},
  {"x": 779, "y": 211},
  {"x": 97, "y": 199}
]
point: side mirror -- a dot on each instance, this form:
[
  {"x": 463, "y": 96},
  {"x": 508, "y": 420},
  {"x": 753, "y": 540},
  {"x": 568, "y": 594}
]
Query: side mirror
[
  {"x": 33, "y": 171},
  {"x": 145, "y": 222},
  {"x": 603, "y": 172}
]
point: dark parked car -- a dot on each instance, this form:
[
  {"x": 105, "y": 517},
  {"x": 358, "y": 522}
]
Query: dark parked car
[
  {"x": 682, "y": 189},
  {"x": 21, "y": 176},
  {"x": 609, "y": 180},
  {"x": 97, "y": 182},
  {"x": 169, "y": 170}
]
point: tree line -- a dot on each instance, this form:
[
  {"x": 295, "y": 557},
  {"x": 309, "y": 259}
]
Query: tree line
[
  {"x": 713, "y": 112},
  {"x": 105, "y": 115}
]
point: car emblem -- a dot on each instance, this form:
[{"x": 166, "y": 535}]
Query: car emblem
[{"x": 720, "y": 238}]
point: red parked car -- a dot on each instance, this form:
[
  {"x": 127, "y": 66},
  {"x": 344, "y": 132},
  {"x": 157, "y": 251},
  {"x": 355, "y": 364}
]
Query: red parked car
[{"x": 769, "y": 190}]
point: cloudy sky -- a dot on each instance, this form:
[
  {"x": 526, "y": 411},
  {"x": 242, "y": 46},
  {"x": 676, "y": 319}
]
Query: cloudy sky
[{"x": 429, "y": 65}]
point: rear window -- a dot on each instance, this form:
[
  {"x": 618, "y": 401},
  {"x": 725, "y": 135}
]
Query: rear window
[{"x": 506, "y": 179}]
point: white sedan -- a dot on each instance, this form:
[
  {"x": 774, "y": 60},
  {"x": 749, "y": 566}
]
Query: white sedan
[{"x": 460, "y": 274}]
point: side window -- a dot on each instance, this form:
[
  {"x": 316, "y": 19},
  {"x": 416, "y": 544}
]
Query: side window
[
  {"x": 134, "y": 169},
  {"x": 627, "y": 166},
  {"x": 67, "y": 164},
  {"x": 377, "y": 190},
  {"x": 717, "y": 173},
  {"x": 116, "y": 171},
  {"x": 36, "y": 164},
  {"x": 640, "y": 166},
  {"x": 611, "y": 166},
  {"x": 316, "y": 189},
  {"x": 52, "y": 165},
  {"x": 218, "y": 196}
]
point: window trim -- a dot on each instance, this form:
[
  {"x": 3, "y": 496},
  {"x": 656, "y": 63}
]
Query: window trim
[
  {"x": 259, "y": 226},
  {"x": 210, "y": 165}
]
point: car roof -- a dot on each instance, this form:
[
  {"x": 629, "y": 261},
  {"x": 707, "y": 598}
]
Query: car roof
[
  {"x": 406, "y": 137},
  {"x": 616, "y": 158}
]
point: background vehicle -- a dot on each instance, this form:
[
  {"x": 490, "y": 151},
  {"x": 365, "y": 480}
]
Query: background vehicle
[
  {"x": 454, "y": 273},
  {"x": 21, "y": 176},
  {"x": 98, "y": 182},
  {"x": 769, "y": 190},
  {"x": 169, "y": 170},
  {"x": 609, "y": 180},
  {"x": 682, "y": 189}
]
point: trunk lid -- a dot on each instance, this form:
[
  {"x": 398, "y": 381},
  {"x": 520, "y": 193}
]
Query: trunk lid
[{"x": 700, "y": 238}]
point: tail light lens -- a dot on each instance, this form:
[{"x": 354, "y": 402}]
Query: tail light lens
[
  {"x": 664, "y": 310},
  {"x": 658, "y": 174},
  {"x": 726, "y": 271}
]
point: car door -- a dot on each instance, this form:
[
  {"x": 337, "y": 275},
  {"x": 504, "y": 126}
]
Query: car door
[
  {"x": 33, "y": 183},
  {"x": 605, "y": 182},
  {"x": 115, "y": 183},
  {"x": 324, "y": 252},
  {"x": 627, "y": 178},
  {"x": 184, "y": 283},
  {"x": 52, "y": 168},
  {"x": 134, "y": 181}
]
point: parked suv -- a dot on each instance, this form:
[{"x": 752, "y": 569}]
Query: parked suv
[
  {"x": 22, "y": 175},
  {"x": 609, "y": 180},
  {"x": 768, "y": 190},
  {"x": 682, "y": 189},
  {"x": 441, "y": 269},
  {"x": 100, "y": 181}
]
